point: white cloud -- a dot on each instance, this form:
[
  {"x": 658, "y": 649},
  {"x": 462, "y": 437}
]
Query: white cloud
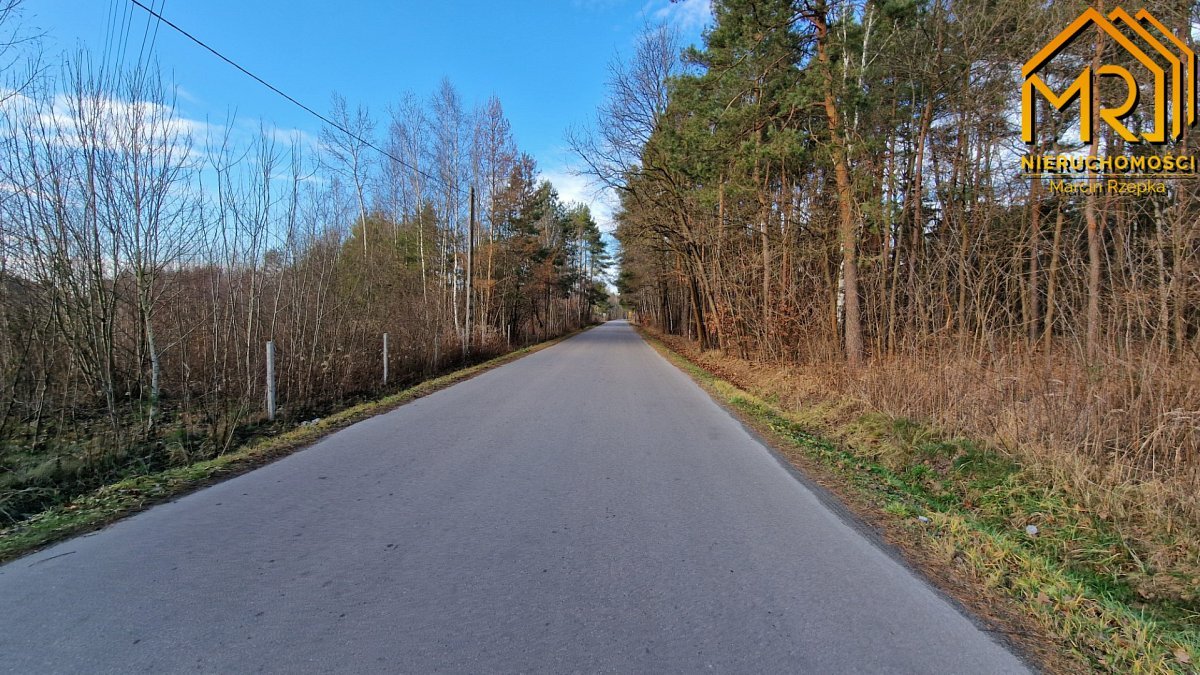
[
  {"x": 194, "y": 138},
  {"x": 594, "y": 5},
  {"x": 576, "y": 188},
  {"x": 104, "y": 121},
  {"x": 13, "y": 188},
  {"x": 282, "y": 137},
  {"x": 686, "y": 15},
  {"x": 185, "y": 95}
]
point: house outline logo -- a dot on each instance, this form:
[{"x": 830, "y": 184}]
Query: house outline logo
[{"x": 1179, "y": 66}]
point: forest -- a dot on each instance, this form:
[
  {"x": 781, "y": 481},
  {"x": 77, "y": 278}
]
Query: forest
[
  {"x": 837, "y": 186},
  {"x": 825, "y": 201},
  {"x": 146, "y": 260}
]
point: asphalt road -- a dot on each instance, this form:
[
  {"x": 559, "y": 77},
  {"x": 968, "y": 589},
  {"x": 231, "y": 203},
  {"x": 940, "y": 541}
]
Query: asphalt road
[{"x": 587, "y": 508}]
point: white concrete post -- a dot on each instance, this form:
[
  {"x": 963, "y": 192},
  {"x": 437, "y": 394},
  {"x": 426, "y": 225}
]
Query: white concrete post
[{"x": 271, "y": 380}]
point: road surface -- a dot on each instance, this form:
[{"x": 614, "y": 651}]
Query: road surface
[{"x": 587, "y": 508}]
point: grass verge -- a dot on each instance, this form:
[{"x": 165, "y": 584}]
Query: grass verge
[
  {"x": 110, "y": 503},
  {"x": 997, "y": 535}
]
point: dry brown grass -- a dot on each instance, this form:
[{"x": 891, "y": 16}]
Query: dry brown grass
[
  {"x": 1121, "y": 443},
  {"x": 1110, "y": 582}
]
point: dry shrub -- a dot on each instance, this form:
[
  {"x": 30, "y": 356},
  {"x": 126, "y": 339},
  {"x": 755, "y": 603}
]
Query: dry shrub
[{"x": 1129, "y": 424}]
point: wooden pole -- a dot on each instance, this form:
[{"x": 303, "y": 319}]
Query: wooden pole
[{"x": 385, "y": 359}]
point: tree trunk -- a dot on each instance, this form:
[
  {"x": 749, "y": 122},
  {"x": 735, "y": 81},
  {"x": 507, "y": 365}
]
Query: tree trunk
[
  {"x": 1093, "y": 224},
  {"x": 847, "y": 227}
]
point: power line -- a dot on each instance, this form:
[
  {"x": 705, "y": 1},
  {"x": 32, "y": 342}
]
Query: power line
[
  {"x": 126, "y": 24},
  {"x": 109, "y": 23},
  {"x": 146, "y": 34},
  {"x": 275, "y": 89}
]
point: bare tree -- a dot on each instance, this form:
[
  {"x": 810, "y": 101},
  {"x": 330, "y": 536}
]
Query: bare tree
[{"x": 347, "y": 150}]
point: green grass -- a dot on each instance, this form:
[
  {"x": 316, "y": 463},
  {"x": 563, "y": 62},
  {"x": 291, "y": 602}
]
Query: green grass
[
  {"x": 109, "y": 503},
  {"x": 1073, "y": 578}
]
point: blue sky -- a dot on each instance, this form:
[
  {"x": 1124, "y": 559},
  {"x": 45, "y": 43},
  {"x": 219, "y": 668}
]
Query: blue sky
[{"x": 546, "y": 60}]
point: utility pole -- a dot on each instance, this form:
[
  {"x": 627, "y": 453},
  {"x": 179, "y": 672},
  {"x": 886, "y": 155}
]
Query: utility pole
[{"x": 470, "y": 272}]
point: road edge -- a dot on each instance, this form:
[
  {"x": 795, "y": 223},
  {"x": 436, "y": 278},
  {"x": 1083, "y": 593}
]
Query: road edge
[
  {"x": 114, "y": 502},
  {"x": 993, "y": 614}
]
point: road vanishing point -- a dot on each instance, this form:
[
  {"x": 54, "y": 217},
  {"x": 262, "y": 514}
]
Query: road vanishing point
[{"x": 587, "y": 508}]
